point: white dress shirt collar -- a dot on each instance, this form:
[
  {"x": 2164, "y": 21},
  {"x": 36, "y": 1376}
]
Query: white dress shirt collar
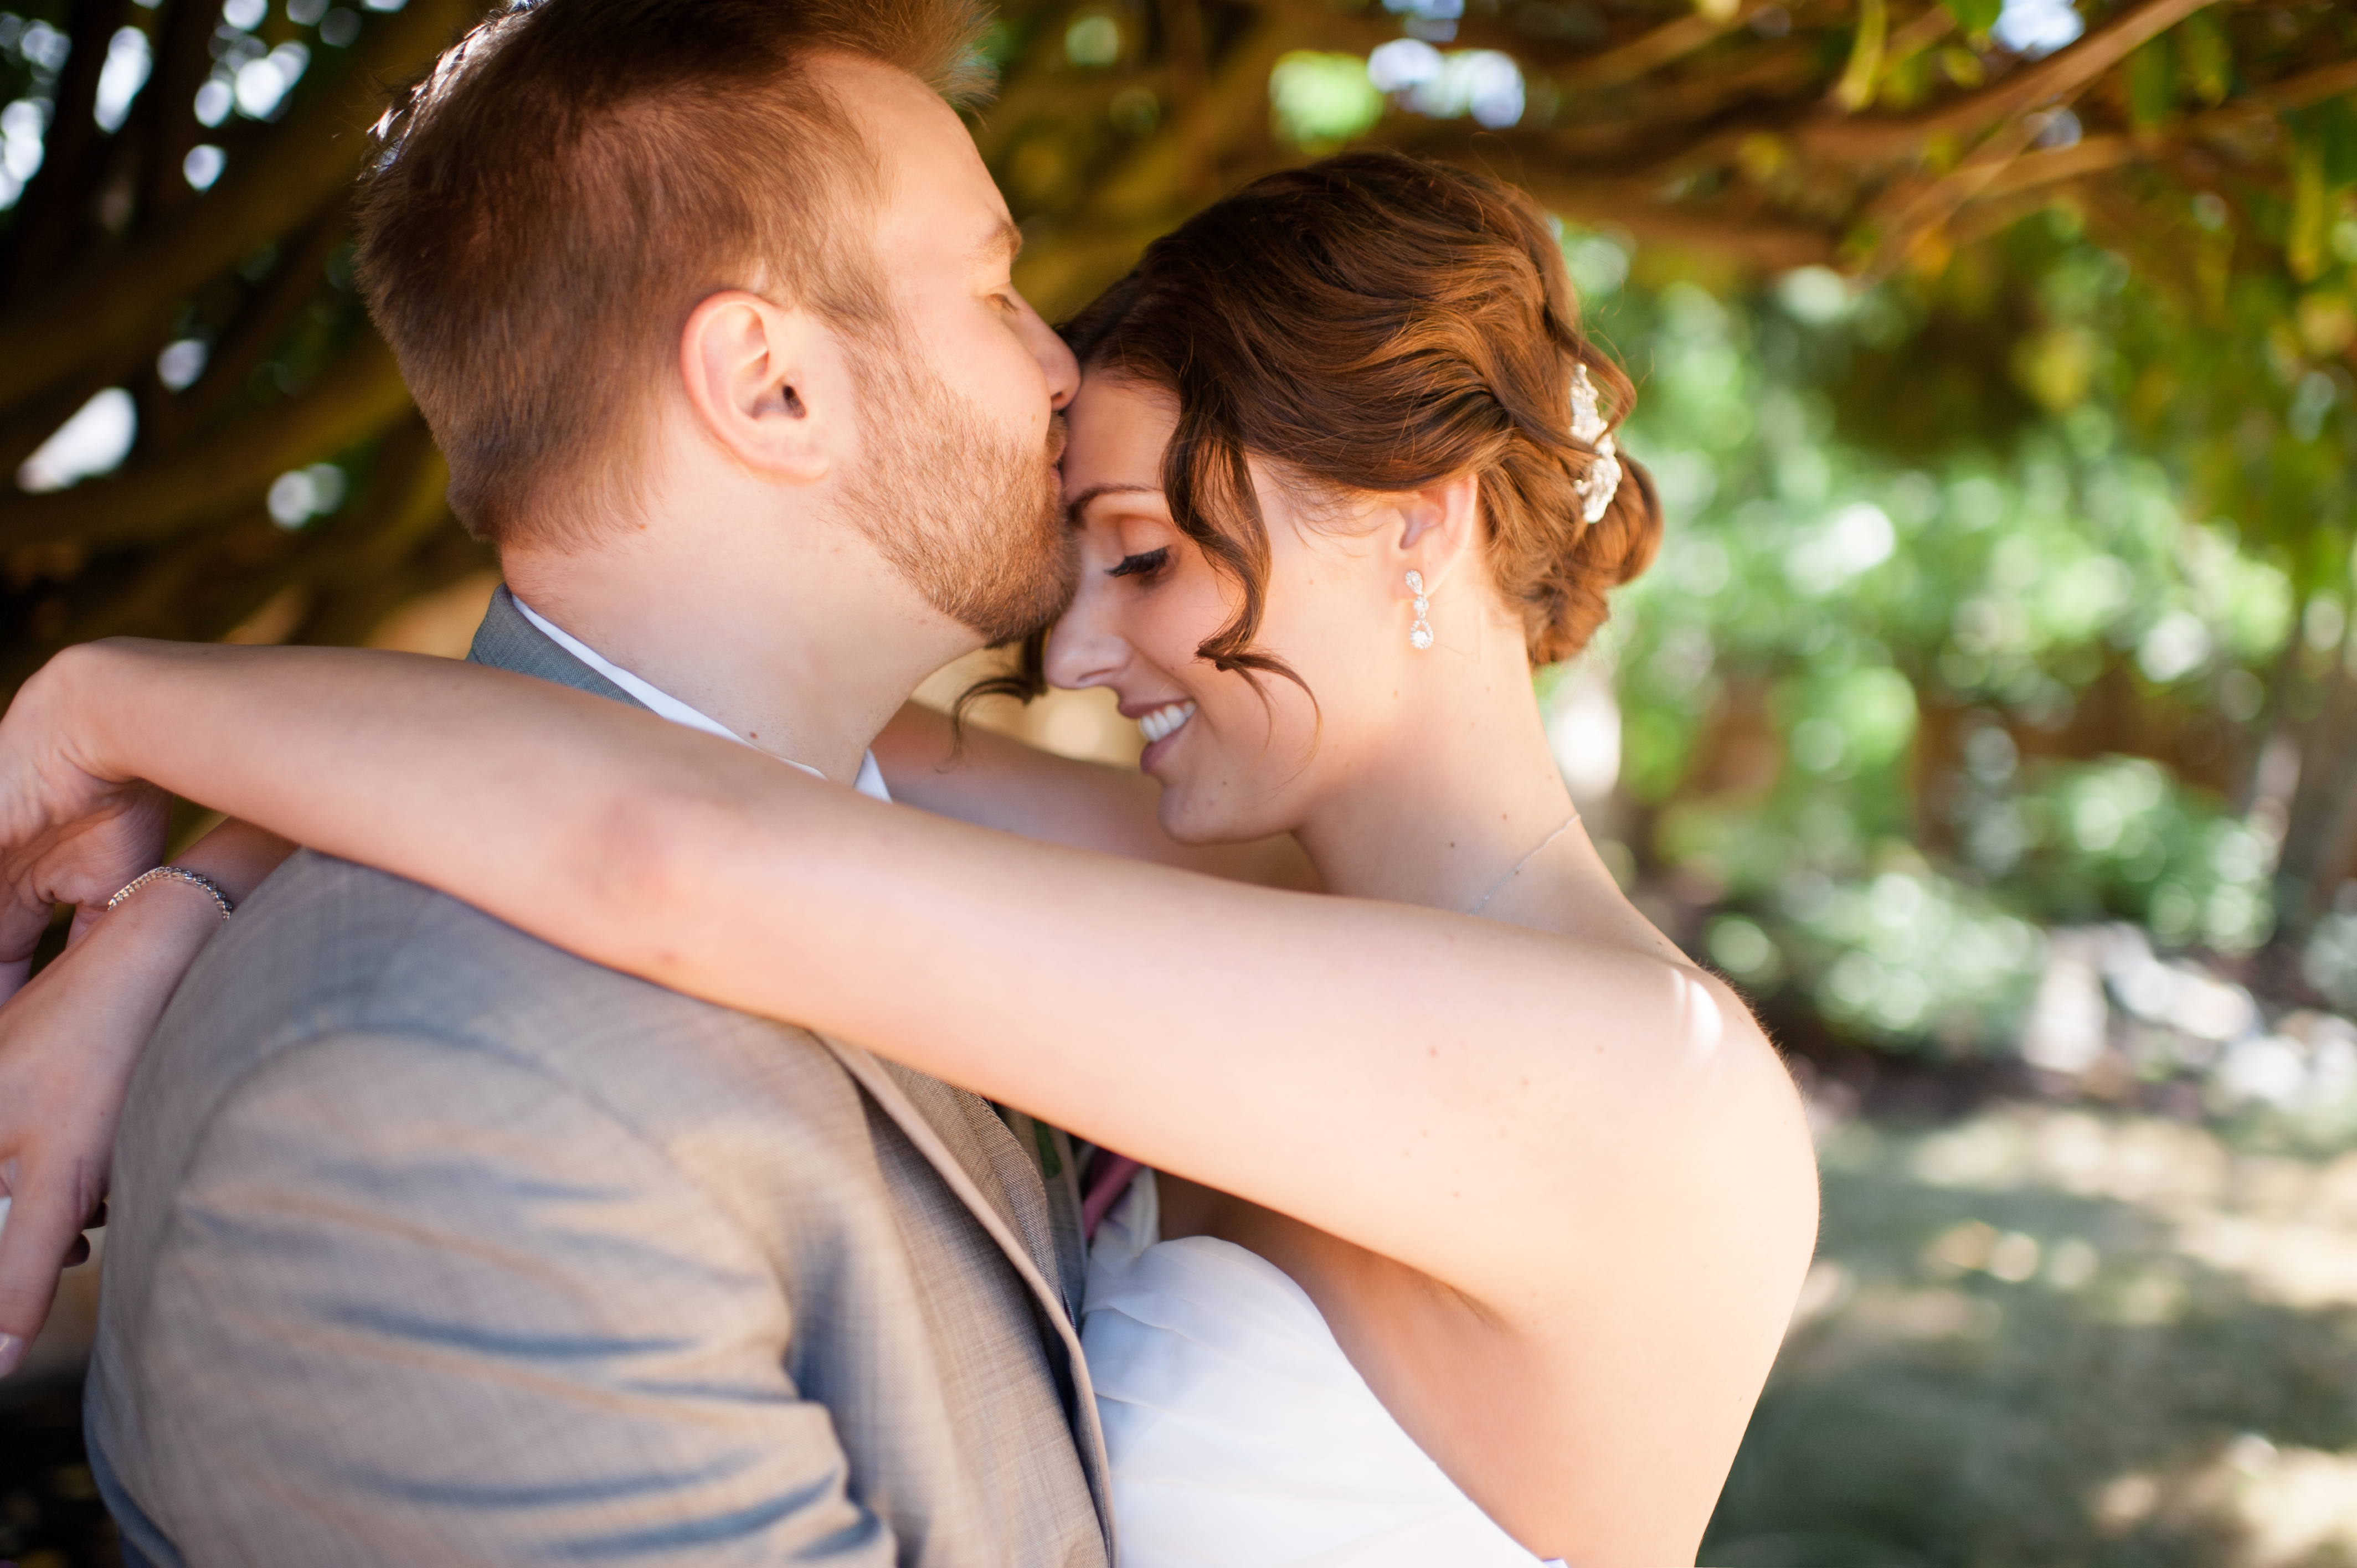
[{"x": 871, "y": 778}]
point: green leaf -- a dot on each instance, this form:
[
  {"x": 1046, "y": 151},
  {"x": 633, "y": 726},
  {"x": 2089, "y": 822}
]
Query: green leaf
[
  {"x": 2152, "y": 89},
  {"x": 2306, "y": 235},
  {"x": 1975, "y": 16},
  {"x": 2328, "y": 133},
  {"x": 1855, "y": 89},
  {"x": 2204, "y": 58},
  {"x": 1321, "y": 101},
  {"x": 2335, "y": 123}
]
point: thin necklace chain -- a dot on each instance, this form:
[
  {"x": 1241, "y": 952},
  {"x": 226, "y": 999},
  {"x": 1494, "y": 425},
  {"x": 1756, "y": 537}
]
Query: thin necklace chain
[{"x": 1498, "y": 886}]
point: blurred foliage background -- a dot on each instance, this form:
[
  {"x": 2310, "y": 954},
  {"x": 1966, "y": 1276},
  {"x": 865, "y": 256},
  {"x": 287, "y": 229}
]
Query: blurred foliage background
[{"x": 1991, "y": 716}]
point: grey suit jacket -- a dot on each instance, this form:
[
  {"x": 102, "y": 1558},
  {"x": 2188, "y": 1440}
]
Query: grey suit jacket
[{"x": 432, "y": 1244}]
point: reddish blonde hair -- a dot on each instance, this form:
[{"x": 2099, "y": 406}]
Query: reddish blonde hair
[{"x": 575, "y": 176}]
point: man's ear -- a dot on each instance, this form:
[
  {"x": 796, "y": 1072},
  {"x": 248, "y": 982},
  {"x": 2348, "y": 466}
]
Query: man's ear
[
  {"x": 1436, "y": 527},
  {"x": 767, "y": 382}
]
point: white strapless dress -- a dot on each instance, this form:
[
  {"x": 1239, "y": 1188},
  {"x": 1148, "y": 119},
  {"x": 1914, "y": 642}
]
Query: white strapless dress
[{"x": 1241, "y": 1436}]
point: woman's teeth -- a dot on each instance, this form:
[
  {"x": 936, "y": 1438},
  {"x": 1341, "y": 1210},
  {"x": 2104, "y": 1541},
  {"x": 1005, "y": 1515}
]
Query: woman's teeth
[{"x": 1164, "y": 721}]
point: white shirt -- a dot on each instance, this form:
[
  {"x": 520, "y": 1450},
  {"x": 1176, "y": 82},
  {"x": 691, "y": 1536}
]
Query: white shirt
[{"x": 871, "y": 778}]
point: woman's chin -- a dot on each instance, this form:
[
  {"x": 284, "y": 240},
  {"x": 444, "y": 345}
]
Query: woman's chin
[
  {"x": 1183, "y": 818},
  {"x": 1191, "y": 820},
  {"x": 1195, "y": 811}
]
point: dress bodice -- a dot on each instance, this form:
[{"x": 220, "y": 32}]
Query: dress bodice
[{"x": 1239, "y": 1434}]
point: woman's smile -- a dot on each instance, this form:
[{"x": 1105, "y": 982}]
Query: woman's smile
[
  {"x": 1164, "y": 720},
  {"x": 1159, "y": 725}
]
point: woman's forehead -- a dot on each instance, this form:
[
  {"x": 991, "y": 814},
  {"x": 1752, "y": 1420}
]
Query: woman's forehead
[{"x": 1117, "y": 432}]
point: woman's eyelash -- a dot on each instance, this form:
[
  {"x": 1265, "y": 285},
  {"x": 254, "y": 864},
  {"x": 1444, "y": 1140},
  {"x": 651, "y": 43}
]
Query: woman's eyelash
[{"x": 1139, "y": 564}]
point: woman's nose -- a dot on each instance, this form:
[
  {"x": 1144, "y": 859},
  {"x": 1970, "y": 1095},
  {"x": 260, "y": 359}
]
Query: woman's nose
[{"x": 1082, "y": 649}]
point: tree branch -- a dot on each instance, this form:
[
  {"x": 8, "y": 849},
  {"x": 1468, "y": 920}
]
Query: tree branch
[
  {"x": 358, "y": 395},
  {"x": 1649, "y": 53},
  {"x": 1882, "y": 139},
  {"x": 313, "y": 154},
  {"x": 162, "y": 122},
  {"x": 1629, "y": 205},
  {"x": 271, "y": 310},
  {"x": 55, "y": 205},
  {"x": 32, "y": 421}
]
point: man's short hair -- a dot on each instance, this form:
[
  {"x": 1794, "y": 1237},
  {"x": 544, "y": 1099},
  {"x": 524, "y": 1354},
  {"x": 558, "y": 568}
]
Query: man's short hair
[{"x": 549, "y": 204}]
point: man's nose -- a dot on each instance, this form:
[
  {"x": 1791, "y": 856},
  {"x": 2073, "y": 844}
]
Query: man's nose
[{"x": 1056, "y": 363}]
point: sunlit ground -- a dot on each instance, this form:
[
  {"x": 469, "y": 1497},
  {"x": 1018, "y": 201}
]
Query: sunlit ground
[{"x": 2054, "y": 1338}]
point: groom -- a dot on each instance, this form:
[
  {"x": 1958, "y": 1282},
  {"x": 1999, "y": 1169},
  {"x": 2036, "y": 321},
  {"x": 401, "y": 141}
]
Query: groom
[{"x": 431, "y": 1244}]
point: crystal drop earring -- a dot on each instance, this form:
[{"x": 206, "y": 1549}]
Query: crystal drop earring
[{"x": 1419, "y": 636}]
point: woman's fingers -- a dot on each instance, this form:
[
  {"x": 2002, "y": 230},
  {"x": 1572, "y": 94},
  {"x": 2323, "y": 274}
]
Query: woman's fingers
[
  {"x": 41, "y": 1237},
  {"x": 25, "y": 915},
  {"x": 81, "y": 861},
  {"x": 69, "y": 1041},
  {"x": 85, "y": 917}
]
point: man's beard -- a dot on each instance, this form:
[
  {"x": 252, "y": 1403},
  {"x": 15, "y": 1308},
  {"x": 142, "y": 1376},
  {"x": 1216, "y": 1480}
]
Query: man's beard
[{"x": 973, "y": 518}]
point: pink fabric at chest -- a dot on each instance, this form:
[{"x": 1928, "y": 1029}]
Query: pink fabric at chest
[{"x": 1109, "y": 1179}]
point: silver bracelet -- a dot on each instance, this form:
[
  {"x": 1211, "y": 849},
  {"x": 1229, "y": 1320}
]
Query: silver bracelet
[{"x": 177, "y": 874}]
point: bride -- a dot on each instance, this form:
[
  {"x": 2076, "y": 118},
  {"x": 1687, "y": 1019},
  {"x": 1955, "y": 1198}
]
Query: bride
[{"x": 1474, "y": 1212}]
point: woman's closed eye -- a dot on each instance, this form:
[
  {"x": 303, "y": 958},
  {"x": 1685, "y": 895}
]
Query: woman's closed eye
[{"x": 1143, "y": 564}]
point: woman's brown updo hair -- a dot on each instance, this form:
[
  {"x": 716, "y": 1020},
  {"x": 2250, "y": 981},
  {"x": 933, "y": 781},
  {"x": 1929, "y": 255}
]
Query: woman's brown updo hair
[{"x": 1373, "y": 322}]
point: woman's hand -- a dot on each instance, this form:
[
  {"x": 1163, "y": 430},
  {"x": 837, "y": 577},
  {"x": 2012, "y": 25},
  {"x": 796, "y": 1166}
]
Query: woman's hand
[
  {"x": 72, "y": 833},
  {"x": 68, "y": 1043},
  {"x": 68, "y": 833}
]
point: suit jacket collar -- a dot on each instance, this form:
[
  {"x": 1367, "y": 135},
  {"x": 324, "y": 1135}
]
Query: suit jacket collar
[
  {"x": 956, "y": 1131},
  {"x": 1025, "y": 1208},
  {"x": 507, "y": 641}
]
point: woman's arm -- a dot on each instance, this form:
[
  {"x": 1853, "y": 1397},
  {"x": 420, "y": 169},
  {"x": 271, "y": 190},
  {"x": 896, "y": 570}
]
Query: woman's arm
[
  {"x": 1502, "y": 1110},
  {"x": 993, "y": 780},
  {"x": 69, "y": 1041}
]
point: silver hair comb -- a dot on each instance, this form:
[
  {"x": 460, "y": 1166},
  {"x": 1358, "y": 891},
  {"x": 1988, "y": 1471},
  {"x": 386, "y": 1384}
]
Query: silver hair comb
[{"x": 1588, "y": 424}]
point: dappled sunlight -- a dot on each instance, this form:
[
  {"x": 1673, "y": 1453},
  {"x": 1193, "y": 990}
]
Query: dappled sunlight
[
  {"x": 2292, "y": 1502},
  {"x": 1877, "y": 1315},
  {"x": 2287, "y": 1228},
  {"x": 94, "y": 441},
  {"x": 2299, "y": 1263},
  {"x": 2290, "y": 1507},
  {"x": 2043, "y": 1335},
  {"x": 2137, "y": 1160},
  {"x": 1583, "y": 721}
]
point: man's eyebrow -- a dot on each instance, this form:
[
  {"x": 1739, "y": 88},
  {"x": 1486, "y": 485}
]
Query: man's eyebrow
[
  {"x": 1004, "y": 239},
  {"x": 1080, "y": 504}
]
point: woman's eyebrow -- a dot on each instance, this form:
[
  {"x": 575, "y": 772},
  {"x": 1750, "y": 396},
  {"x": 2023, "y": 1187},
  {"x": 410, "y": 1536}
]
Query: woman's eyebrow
[{"x": 1080, "y": 504}]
